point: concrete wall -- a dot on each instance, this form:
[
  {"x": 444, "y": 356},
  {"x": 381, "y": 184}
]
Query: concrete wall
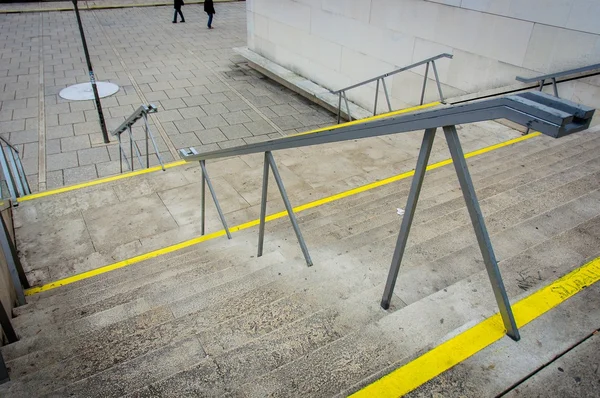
[{"x": 340, "y": 42}]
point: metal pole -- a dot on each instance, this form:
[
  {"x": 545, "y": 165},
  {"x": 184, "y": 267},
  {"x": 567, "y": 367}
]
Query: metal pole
[
  {"x": 424, "y": 83},
  {"x": 11, "y": 262},
  {"x": 339, "y": 115},
  {"x": 541, "y": 85},
  {"x": 483, "y": 238},
  {"x": 263, "y": 204},
  {"x": 214, "y": 196},
  {"x": 347, "y": 108},
  {"x": 555, "y": 87},
  {"x": 289, "y": 208},
  {"x": 131, "y": 149},
  {"x": 147, "y": 145},
  {"x": 120, "y": 153},
  {"x": 92, "y": 77},
  {"x": 7, "y": 328},
  {"x": 134, "y": 144},
  {"x": 387, "y": 96},
  {"x": 411, "y": 205},
  {"x": 437, "y": 81},
  {"x": 202, "y": 200},
  {"x": 154, "y": 143},
  {"x": 376, "y": 97}
]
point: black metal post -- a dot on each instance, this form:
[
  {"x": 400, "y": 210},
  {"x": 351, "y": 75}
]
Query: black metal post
[{"x": 92, "y": 77}]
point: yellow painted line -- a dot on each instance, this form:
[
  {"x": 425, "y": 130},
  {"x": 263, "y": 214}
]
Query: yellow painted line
[
  {"x": 369, "y": 119},
  {"x": 98, "y": 181},
  {"x": 250, "y": 224},
  {"x": 454, "y": 351}
]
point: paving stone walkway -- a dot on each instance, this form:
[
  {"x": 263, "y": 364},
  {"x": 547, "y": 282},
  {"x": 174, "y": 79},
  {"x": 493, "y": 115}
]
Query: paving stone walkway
[{"x": 206, "y": 95}]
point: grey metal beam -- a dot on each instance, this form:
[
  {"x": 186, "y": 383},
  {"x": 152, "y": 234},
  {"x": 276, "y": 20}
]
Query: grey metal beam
[{"x": 533, "y": 110}]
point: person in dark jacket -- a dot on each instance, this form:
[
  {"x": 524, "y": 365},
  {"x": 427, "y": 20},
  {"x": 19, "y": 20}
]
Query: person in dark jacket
[
  {"x": 209, "y": 8},
  {"x": 177, "y": 5}
]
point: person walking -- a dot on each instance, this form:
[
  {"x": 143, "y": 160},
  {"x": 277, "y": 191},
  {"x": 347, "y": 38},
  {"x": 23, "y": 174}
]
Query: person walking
[
  {"x": 177, "y": 5},
  {"x": 209, "y": 8}
]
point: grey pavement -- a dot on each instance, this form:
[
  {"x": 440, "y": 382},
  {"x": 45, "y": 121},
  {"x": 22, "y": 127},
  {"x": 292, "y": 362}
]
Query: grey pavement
[{"x": 206, "y": 95}]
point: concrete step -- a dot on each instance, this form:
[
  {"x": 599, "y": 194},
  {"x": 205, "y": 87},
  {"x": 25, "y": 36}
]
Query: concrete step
[
  {"x": 435, "y": 190},
  {"x": 197, "y": 260},
  {"x": 178, "y": 301},
  {"x": 347, "y": 364}
]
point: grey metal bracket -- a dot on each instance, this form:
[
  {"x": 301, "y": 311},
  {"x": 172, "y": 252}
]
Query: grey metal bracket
[
  {"x": 270, "y": 162},
  {"x": 475, "y": 213}
]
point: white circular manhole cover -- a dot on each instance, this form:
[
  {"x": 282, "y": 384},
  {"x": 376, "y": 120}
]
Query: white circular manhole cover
[{"x": 83, "y": 91}]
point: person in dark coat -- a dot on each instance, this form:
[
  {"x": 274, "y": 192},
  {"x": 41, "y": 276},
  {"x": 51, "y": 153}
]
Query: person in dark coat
[
  {"x": 209, "y": 8},
  {"x": 177, "y": 5}
]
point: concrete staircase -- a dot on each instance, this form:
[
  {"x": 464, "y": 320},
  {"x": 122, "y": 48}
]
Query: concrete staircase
[{"x": 214, "y": 320}]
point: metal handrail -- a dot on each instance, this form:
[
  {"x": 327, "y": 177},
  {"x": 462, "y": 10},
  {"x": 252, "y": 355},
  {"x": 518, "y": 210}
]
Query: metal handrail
[
  {"x": 140, "y": 113},
  {"x": 551, "y": 116},
  {"x": 553, "y": 76},
  {"x": 569, "y": 72},
  {"x": 9, "y": 144},
  {"x": 14, "y": 173},
  {"x": 381, "y": 78}
]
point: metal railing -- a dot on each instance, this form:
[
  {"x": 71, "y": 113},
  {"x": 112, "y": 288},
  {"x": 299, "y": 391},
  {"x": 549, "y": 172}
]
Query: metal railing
[
  {"x": 381, "y": 79},
  {"x": 140, "y": 113},
  {"x": 551, "y": 116},
  {"x": 12, "y": 170},
  {"x": 541, "y": 80}
]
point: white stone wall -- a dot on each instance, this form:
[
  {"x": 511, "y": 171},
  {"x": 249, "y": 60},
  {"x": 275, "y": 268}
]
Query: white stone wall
[{"x": 340, "y": 42}]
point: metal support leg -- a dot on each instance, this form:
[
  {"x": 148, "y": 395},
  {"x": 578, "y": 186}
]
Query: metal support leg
[
  {"x": 387, "y": 96},
  {"x": 14, "y": 265},
  {"x": 263, "y": 204},
  {"x": 202, "y": 201},
  {"x": 289, "y": 208},
  {"x": 137, "y": 149},
  {"x": 160, "y": 160},
  {"x": 424, "y": 83},
  {"x": 437, "y": 81},
  {"x": 214, "y": 196},
  {"x": 411, "y": 205},
  {"x": 376, "y": 97},
  {"x": 555, "y": 87},
  {"x": 147, "y": 147},
  {"x": 7, "y": 327},
  {"x": 4, "y": 378},
  {"x": 339, "y": 115},
  {"x": 483, "y": 238},
  {"x": 347, "y": 108}
]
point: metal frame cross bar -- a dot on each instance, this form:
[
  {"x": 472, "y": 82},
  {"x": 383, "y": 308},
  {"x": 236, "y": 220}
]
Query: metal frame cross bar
[
  {"x": 270, "y": 162},
  {"x": 475, "y": 213}
]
